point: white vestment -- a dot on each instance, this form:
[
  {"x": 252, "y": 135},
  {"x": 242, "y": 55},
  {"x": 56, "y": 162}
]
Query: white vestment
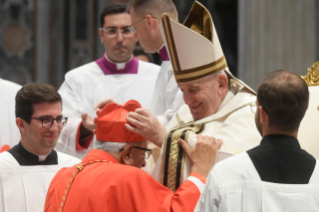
[
  {"x": 9, "y": 132},
  {"x": 86, "y": 86},
  {"x": 64, "y": 160},
  {"x": 308, "y": 133},
  {"x": 24, "y": 188},
  {"x": 233, "y": 123},
  {"x": 167, "y": 98},
  {"x": 235, "y": 185}
]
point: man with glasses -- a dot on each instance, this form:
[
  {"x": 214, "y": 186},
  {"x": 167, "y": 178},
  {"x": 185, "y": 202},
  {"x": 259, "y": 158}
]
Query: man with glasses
[
  {"x": 117, "y": 75},
  {"x": 110, "y": 179},
  {"x": 277, "y": 175},
  {"x": 40, "y": 121}
]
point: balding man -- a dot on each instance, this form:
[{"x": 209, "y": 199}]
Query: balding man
[{"x": 277, "y": 175}]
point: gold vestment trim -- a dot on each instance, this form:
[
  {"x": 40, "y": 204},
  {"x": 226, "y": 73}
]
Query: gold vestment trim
[
  {"x": 198, "y": 72},
  {"x": 312, "y": 78},
  {"x": 79, "y": 168}
]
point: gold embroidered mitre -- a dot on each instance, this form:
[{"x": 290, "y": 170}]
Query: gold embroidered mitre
[
  {"x": 312, "y": 78},
  {"x": 194, "y": 48}
]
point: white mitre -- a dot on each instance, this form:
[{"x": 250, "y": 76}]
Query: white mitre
[
  {"x": 194, "y": 47},
  {"x": 308, "y": 134}
]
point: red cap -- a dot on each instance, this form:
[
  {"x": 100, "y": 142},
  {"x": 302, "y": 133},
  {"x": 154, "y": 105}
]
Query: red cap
[{"x": 110, "y": 123}]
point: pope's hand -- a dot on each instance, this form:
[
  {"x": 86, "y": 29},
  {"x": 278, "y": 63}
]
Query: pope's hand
[
  {"x": 144, "y": 123},
  {"x": 203, "y": 155}
]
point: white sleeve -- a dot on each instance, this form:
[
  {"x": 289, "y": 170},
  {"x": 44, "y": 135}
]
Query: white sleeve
[
  {"x": 72, "y": 105},
  {"x": 210, "y": 199},
  {"x": 169, "y": 113}
]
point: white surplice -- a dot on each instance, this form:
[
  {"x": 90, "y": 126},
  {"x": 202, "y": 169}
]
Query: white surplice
[
  {"x": 9, "y": 132},
  {"x": 235, "y": 185},
  {"x": 233, "y": 123},
  {"x": 167, "y": 98},
  {"x": 24, "y": 188},
  {"x": 86, "y": 86}
]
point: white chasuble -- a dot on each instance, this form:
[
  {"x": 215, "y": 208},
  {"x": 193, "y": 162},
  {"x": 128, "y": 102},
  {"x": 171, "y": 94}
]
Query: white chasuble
[
  {"x": 86, "y": 86},
  {"x": 233, "y": 123}
]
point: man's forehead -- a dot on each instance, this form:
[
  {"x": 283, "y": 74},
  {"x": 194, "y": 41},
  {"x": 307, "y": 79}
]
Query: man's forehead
[
  {"x": 195, "y": 84},
  {"x": 117, "y": 20}
]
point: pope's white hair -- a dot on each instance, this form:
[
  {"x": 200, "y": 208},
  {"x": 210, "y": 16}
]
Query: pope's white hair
[{"x": 109, "y": 146}]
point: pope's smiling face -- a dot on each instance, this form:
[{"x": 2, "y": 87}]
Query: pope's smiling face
[
  {"x": 204, "y": 96},
  {"x": 120, "y": 47}
]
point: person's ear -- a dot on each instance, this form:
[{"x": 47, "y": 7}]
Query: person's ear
[
  {"x": 222, "y": 82},
  {"x": 263, "y": 116},
  {"x": 150, "y": 20},
  {"x": 101, "y": 35},
  {"x": 21, "y": 124},
  {"x": 126, "y": 156}
]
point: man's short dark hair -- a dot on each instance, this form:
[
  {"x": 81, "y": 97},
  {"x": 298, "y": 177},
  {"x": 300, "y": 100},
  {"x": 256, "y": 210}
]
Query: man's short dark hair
[
  {"x": 138, "y": 50},
  {"x": 34, "y": 93},
  {"x": 284, "y": 96},
  {"x": 152, "y": 7},
  {"x": 112, "y": 8}
]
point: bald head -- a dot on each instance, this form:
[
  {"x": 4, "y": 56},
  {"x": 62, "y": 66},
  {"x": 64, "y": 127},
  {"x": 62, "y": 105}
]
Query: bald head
[
  {"x": 154, "y": 8},
  {"x": 284, "y": 96}
]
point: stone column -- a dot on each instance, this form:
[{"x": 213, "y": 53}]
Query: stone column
[
  {"x": 276, "y": 34},
  {"x": 42, "y": 41}
]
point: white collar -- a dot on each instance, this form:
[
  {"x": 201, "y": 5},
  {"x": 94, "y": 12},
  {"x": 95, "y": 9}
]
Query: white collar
[
  {"x": 119, "y": 66},
  {"x": 41, "y": 157}
]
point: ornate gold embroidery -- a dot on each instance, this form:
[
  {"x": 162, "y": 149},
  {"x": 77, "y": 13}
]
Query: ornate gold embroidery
[
  {"x": 312, "y": 78},
  {"x": 173, "y": 164},
  {"x": 79, "y": 168},
  {"x": 171, "y": 153}
]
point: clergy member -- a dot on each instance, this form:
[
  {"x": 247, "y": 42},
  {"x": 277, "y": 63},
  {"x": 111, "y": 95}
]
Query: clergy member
[
  {"x": 146, "y": 16},
  {"x": 9, "y": 132},
  {"x": 277, "y": 175},
  {"x": 110, "y": 179},
  {"x": 117, "y": 74},
  {"x": 38, "y": 110},
  {"x": 218, "y": 104}
]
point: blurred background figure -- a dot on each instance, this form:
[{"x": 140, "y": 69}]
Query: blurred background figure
[
  {"x": 141, "y": 55},
  {"x": 41, "y": 40}
]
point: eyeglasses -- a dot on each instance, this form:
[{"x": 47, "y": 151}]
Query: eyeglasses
[
  {"x": 148, "y": 152},
  {"x": 47, "y": 122},
  {"x": 112, "y": 32},
  {"x": 133, "y": 28}
]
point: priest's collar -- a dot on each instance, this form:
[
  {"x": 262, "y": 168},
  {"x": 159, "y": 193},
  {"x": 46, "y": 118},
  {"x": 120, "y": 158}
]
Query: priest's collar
[
  {"x": 109, "y": 68},
  {"x": 163, "y": 53},
  {"x": 26, "y": 158},
  {"x": 285, "y": 141}
]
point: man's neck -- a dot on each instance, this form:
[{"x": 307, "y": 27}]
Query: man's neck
[
  {"x": 117, "y": 61},
  {"x": 33, "y": 151},
  {"x": 280, "y": 132}
]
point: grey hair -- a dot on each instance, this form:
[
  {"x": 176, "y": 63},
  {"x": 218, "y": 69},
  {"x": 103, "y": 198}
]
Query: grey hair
[{"x": 110, "y": 146}]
